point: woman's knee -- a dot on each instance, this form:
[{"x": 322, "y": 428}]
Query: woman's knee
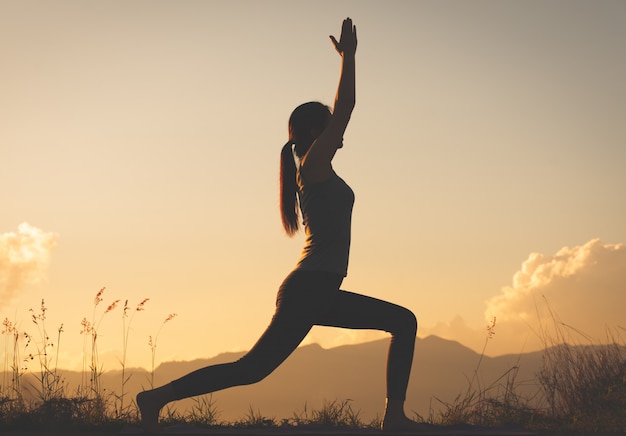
[
  {"x": 251, "y": 371},
  {"x": 407, "y": 322},
  {"x": 252, "y": 377}
]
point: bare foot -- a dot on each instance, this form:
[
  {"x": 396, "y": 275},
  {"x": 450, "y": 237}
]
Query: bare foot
[
  {"x": 149, "y": 410},
  {"x": 402, "y": 423}
]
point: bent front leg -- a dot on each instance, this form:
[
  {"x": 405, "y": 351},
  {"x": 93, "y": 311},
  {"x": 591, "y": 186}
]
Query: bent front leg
[{"x": 356, "y": 311}]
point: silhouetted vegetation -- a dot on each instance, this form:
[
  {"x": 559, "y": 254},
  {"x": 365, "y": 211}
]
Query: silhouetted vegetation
[{"x": 581, "y": 388}]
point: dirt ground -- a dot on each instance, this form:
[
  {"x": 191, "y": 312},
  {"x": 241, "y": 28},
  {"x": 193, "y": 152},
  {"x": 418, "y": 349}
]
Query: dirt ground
[{"x": 185, "y": 429}]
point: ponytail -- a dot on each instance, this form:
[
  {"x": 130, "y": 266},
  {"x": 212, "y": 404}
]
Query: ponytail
[
  {"x": 304, "y": 120},
  {"x": 288, "y": 190}
]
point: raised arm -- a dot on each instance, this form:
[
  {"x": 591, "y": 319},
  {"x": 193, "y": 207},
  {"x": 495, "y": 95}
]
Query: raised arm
[
  {"x": 346, "y": 91},
  {"x": 316, "y": 163}
]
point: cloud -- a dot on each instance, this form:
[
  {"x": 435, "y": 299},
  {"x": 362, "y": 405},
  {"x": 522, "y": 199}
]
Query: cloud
[
  {"x": 581, "y": 290},
  {"x": 23, "y": 258}
]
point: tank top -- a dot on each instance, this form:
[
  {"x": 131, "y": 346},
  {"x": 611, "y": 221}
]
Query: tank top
[{"x": 327, "y": 215}]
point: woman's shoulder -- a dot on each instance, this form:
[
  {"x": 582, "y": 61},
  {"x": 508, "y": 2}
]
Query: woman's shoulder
[
  {"x": 305, "y": 180},
  {"x": 315, "y": 172}
]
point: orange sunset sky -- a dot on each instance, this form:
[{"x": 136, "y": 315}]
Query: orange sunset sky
[{"x": 139, "y": 151}]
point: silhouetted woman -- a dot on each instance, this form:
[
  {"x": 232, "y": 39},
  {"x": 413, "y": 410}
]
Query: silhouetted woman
[{"x": 310, "y": 294}]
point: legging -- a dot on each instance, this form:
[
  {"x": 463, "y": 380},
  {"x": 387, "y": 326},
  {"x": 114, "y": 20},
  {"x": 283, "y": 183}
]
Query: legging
[{"x": 305, "y": 299}]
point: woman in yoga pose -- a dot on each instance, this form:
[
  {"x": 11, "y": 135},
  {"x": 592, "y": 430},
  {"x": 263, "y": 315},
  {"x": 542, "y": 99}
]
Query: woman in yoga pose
[{"x": 311, "y": 294}]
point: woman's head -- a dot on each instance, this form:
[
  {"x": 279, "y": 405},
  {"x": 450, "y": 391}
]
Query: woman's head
[{"x": 306, "y": 123}]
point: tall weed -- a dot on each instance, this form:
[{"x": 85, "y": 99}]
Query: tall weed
[{"x": 584, "y": 384}]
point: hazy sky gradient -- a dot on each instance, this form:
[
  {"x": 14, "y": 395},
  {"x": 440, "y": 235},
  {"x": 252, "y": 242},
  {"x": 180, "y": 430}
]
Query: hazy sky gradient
[{"x": 145, "y": 135}]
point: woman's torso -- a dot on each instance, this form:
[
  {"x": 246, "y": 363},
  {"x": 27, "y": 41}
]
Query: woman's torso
[{"x": 327, "y": 214}]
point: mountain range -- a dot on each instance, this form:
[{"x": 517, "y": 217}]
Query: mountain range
[{"x": 311, "y": 376}]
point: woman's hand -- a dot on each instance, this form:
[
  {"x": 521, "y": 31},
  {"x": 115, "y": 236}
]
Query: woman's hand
[{"x": 347, "y": 42}]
